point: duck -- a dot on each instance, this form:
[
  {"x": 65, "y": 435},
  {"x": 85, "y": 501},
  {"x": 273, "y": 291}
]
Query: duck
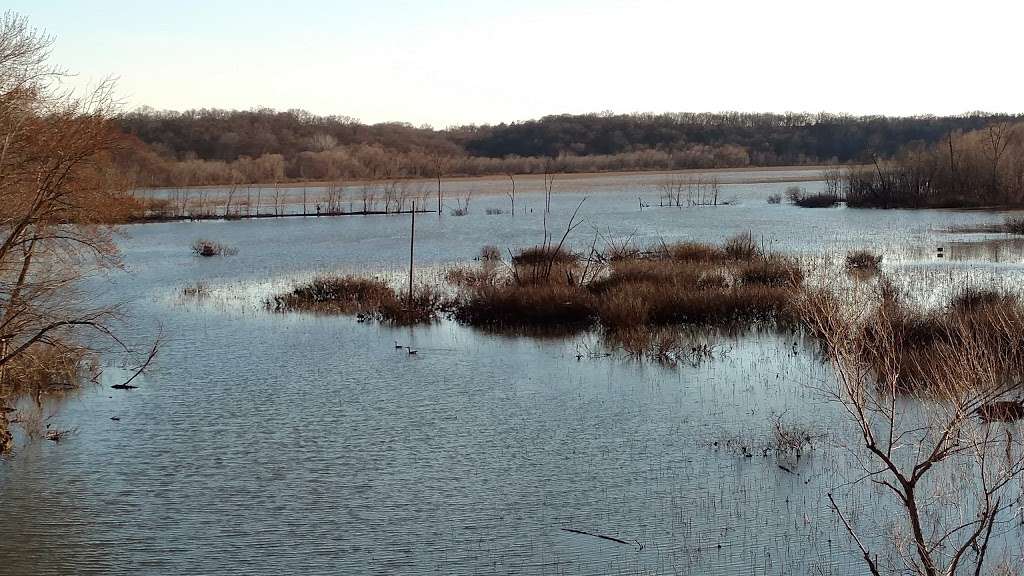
[
  {"x": 411, "y": 351},
  {"x": 398, "y": 346}
]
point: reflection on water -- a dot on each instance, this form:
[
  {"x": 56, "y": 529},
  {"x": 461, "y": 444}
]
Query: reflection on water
[
  {"x": 992, "y": 248},
  {"x": 300, "y": 444}
]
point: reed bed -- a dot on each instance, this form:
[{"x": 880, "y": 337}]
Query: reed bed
[{"x": 368, "y": 298}]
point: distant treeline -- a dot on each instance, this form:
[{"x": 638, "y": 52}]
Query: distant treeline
[{"x": 220, "y": 147}]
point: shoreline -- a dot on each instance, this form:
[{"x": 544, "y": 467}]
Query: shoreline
[{"x": 529, "y": 177}]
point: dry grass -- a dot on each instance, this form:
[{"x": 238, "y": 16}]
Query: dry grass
[
  {"x": 537, "y": 304},
  {"x": 367, "y": 297},
  {"x": 544, "y": 255},
  {"x": 685, "y": 283},
  {"x": 490, "y": 253},
  {"x": 42, "y": 370},
  {"x": 668, "y": 346},
  {"x": 822, "y": 200},
  {"x": 771, "y": 271},
  {"x": 917, "y": 349}
]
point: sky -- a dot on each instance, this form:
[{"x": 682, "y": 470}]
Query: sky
[{"x": 447, "y": 63}]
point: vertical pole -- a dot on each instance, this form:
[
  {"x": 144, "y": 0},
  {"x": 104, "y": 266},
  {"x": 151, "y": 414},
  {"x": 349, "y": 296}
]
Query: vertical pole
[
  {"x": 412, "y": 241},
  {"x": 304, "y": 212}
]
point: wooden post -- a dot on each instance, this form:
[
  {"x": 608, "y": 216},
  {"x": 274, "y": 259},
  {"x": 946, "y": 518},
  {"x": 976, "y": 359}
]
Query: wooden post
[{"x": 412, "y": 241}]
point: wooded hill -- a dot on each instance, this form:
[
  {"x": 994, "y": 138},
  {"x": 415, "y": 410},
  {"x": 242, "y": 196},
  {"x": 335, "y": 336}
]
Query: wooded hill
[{"x": 221, "y": 146}]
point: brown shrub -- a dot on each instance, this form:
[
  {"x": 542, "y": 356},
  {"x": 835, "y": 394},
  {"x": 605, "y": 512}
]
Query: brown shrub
[
  {"x": 864, "y": 260},
  {"x": 490, "y": 253},
  {"x": 691, "y": 252},
  {"x": 775, "y": 271},
  {"x": 543, "y": 255},
  {"x": 424, "y": 307},
  {"x": 370, "y": 297},
  {"x": 210, "y": 248},
  {"x": 342, "y": 295},
  {"x": 513, "y": 305},
  {"x": 742, "y": 247}
]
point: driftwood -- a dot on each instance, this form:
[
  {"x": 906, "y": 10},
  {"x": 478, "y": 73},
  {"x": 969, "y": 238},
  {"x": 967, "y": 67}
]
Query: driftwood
[{"x": 612, "y": 538}]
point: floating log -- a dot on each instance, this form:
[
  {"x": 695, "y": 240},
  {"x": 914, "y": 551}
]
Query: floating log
[{"x": 612, "y": 538}]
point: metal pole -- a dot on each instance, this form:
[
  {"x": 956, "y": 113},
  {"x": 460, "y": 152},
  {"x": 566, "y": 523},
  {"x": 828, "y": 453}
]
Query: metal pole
[{"x": 412, "y": 241}]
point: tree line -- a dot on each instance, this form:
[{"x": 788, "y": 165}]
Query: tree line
[
  {"x": 977, "y": 168},
  {"x": 213, "y": 146}
]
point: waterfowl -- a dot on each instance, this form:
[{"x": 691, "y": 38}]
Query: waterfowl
[
  {"x": 398, "y": 346},
  {"x": 411, "y": 351}
]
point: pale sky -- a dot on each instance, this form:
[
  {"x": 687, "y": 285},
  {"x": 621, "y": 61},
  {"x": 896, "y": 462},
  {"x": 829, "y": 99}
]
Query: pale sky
[{"x": 461, "y": 62}]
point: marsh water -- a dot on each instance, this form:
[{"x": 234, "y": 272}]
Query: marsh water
[{"x": 299, "y": 444}]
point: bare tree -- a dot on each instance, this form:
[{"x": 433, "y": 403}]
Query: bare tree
[
  {"x": 512, "y": 193},
  {"x": 549, "y": 185},
  {"x": 441, "y": 165},
  {"x": 59, "y": 194},
  {"x": 921, "y": 440}
]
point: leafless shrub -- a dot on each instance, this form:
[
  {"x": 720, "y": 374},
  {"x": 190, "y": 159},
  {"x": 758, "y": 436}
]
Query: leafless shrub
[
  {"x": 863, "y": 260},
  {"x": 490, "y": 253},
  {"x": 209, "y": 248}
]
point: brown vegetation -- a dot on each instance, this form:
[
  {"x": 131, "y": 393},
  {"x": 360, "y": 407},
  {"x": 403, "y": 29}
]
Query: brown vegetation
[
  {"x": 863, "y": 260},
  {"x": 801, "y": 198},
  {"x": 956, "y": 363},
  {"x": 966, "y": 169},
  {"x": 59, "y": 194},
  {"x": 210, "y": 248},
  {"x": 683, "y": 283},
  {"x": 369, "y": 298}
]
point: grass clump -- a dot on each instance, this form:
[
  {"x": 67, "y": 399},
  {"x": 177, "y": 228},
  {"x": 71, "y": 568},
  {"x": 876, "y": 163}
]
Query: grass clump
[
  {"x": 863, "y": 260},
  {"x": 773, "y": 271},
  {"x": 684, "y": 283},
  {"x": 821, "y": 200},
  {"x": 742, "y": 247},
  {"x": 973, "y": 340},
  {"x": 801, "y": 198},
  {"x": 490, "y": 253},
  {"x": 1014, "y": 225},
  {"x": 209, "y": 248},
  {"x": 365, "y": 297},
  {"x": 530, "y": 305},
  {"x": 544, "y": 255}
]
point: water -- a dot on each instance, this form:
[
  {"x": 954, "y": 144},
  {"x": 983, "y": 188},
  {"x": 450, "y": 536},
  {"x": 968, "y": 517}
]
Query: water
[{"x": 299, "y": 444}]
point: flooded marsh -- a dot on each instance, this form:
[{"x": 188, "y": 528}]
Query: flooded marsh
[{"x": 316, "y": 443}]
